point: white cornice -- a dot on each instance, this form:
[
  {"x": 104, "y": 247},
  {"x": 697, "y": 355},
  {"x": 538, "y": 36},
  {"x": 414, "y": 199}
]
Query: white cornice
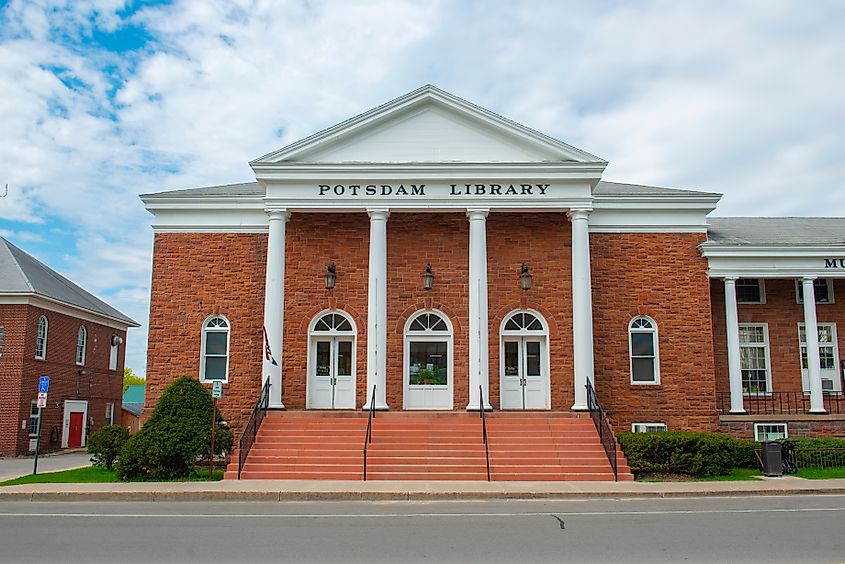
[
  {"x": 772, "y": 261},
  {"x": 57, "y": 306}
]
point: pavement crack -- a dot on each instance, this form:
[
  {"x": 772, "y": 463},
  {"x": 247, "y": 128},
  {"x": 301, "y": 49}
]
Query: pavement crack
[{"x": 559, "y": 520}]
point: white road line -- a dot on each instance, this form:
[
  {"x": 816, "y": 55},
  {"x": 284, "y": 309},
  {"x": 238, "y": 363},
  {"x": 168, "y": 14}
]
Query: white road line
[{"x": 419, "y": 515}]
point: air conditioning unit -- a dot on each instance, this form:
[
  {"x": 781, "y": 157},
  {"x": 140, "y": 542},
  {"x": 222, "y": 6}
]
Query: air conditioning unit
[{"x": 827, "y": 385}]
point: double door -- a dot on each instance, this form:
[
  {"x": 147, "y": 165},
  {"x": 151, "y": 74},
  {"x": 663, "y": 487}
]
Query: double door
[
  {"x": 332, "y": 382},
  {"x": 524, "y": 379}
]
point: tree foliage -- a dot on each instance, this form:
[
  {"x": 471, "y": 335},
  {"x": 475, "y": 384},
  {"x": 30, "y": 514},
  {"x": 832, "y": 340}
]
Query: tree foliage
[
  {"x": 131, "y": 379},
  {"x": 105, "y": 444},
  {"x": 681, "y": 452},
  {"x": 177, "y": 433}
]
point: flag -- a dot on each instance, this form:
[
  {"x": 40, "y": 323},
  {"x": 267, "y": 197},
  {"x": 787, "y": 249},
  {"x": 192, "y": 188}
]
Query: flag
[{"x": 268, "y": 354}]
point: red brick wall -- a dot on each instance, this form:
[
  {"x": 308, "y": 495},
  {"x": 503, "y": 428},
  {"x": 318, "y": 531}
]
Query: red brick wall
[
  {"x": 98, "y": 386},
  {"x": 13, "y": 318},
  {"x": 783, "y": 315},
  {"x": 194, "y": 276},
  {"x": 662, "y": 276},
  {"x": 795, "y": 429}
]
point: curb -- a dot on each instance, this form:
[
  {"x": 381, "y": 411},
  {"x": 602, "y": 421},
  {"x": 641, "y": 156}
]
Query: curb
[{"x": 280, "y": 496}]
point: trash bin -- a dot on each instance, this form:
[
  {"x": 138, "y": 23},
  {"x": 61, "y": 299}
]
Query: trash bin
[{"x": 771, "y": 457}]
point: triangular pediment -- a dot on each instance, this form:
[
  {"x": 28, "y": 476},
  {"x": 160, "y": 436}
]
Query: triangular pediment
[{"x": 428, "y": 125}]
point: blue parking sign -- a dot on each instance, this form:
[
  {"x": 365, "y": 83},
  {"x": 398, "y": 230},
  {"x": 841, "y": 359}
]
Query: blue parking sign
[{"x": 43, "y": 384}]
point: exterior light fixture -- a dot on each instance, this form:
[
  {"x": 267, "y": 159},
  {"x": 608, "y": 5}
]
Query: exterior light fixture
[
  {"x": 427, "y": 277},
  {"x": 525, "y": 278},
  {"x": 331, "y": 276}
]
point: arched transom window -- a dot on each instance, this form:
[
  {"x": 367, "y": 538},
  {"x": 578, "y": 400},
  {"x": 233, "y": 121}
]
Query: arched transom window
[
  {"x": 81, "y": 342},
  {"x": 523, "y": 321},
  {"x": 428, "y": 322},
  {"x": 642, "y": 340},
  {"x": 41, "y": 339},
  {"x": 332, "y": 322},
  {"x": 215, "y": 350}
]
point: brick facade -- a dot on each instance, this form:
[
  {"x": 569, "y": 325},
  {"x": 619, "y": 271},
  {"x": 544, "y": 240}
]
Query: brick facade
[{"x": 20, "y": 372}]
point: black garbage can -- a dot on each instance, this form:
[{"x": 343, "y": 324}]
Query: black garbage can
[{"x": 772, "y": 460}]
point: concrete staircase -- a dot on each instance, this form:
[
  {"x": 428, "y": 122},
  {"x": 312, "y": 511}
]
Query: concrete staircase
[{"x": 524, "y": 446}]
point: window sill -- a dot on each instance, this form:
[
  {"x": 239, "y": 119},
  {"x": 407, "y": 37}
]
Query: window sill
[{"x": 645, "y": 383}]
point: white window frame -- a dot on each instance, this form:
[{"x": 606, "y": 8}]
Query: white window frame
[
  {"x": 2, "y": 334},
  {"x": 109, "y": 420},
  {"x": 799, "y": 288},
  {"x": 655, "y": 342},
  {"x": 428, "y": 335},
  {"x": 837, "y": 380},
  {"x": 114, "y": 350},
  {"x": 766, "y": 346},
  {"x": 643, "y": 427},
  {"x": 34, "y": 414},
  {"x": 42, "y": 354},
  {"x": 81, "y": 345},
  {"x": 205, "y": 330},
  {"x": 762, "y": 285},
  {"x": 758, "y": 427},
  {"x": 313, "y": 336}
]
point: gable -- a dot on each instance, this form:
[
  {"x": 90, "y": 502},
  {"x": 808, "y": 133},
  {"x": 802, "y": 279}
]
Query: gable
[{"x": 428, "y": 126}]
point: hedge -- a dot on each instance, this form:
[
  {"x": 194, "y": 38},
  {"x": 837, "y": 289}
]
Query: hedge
[
  {"x": 106, "y": 443},
  {"x": 682, "y": 452}
]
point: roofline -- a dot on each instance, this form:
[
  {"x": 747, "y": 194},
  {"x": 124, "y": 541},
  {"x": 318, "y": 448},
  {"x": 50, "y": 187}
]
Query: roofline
[
  {"x": 406, "y": 100},
  {"x": 127, "y": 322},
  {"x": 714, "y": 249}
]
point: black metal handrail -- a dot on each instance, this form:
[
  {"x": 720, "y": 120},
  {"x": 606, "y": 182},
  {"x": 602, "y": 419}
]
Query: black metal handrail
[
  {"x": 259, "y": 412},
  {"x": 608, "y": 441},
  {"x": 484, "y": 429},
  {"x": 781, "y": 403},
  {"x": 368, "y": 437}
]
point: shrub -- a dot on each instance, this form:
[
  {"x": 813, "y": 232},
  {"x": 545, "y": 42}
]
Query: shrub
[
  {"x": 681, "y": 452},
  {"x": 105, "y": 444},
  {"x": 177, "y": 433}
]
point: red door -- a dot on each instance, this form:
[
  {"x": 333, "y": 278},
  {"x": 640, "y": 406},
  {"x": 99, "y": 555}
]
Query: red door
[{"x": 74, "y": 438}]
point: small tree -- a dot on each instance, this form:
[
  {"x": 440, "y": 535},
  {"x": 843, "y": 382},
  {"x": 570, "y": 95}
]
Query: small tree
[
  {"x": 177, "y": 433},
  {"x": 105, "y": 444}
]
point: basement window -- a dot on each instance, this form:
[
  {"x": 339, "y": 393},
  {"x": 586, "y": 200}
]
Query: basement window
[
  {"x": 770, "y": 431},
  {"x": 647, "y": 427}
]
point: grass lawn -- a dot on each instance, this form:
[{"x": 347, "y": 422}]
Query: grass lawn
[
  {"x": 94, "y": 474},
  {"x": 821, "y": 473},
  {"x": 737, "y": 474}
]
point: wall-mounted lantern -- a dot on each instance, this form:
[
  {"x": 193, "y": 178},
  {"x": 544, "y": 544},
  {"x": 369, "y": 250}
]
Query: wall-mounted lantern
[
  {"x": 427, "y": 277},
  {"x": 331, "y": 276},
  {"x": 525, "y": 278}
]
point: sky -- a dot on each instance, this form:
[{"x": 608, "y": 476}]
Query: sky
[{"x": 103, "y": 100}]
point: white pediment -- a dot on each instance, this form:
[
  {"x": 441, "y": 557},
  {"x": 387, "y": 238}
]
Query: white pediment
[{"x": 428, "y": 126}]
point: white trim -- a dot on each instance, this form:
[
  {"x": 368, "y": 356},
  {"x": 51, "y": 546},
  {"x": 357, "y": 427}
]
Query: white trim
[
  {"x": 655, "y": 342},
  {"x": 313, "y": 336},
  {"x": 2, "y": 337},
  {"x": 766, "y": 346},
  {"x": 55, "y": 306},
  {"x": 69, "y": 404},
  {"x": 205, "y": 330},
  {"x": 771, "y": 261},
  {"x": 641, "y": 427},
  {"x": 761, "y": 282},
  {"x": 757, "y": 427},
  {"x": 828, "y": 282},
  {"x": 43, "y": 352},
  {"x": 545, "y": 350},
  {"x": 805, "y": 380},
  {"x": 428, "y": 336}
]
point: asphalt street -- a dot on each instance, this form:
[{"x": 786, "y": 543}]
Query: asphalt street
[{"x": 704, "y": 529}]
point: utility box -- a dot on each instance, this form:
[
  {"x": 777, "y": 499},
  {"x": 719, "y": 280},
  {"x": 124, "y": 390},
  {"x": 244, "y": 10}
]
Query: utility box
[{"x": 772, "y": 459}]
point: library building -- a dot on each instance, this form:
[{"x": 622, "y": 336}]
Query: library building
[{"x": 429, "y": 290}]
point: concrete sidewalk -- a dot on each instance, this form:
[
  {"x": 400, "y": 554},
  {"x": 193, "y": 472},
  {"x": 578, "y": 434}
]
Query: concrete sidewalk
[
  {"x": 14, "y": 467},
  {"x": 303, "y": 490}
]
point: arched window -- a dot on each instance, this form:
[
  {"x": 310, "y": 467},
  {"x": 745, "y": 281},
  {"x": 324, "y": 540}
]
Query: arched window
[
  {"x": 332, "y": 322},
  {"x": 331, "y": 361},
  {"x": 214, "y": 363},
  {"x": 41, "y": 339},
  {"x": 81, "y": 342},
  {"x": 642, "y": 341},
  {"x": 428, "y": 361},
  {"x": 524, "y": 361}
]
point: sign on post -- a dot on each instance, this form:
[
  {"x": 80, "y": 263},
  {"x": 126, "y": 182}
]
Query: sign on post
[
  {"x": 41, "y": 403},
  {"x": 43, "y": 385},
  {"x": 217, "y": 389}
]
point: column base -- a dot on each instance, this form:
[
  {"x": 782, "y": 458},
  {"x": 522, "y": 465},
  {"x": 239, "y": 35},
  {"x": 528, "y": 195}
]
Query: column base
[
  {"x": 279, "y": 405},
  {"x": 737, "y": 412},
  {"x": 817, "y": 411},
  {"x": 474, "y": 407},
  {"x": 377, "y": 408},
  {"x": 579, "y": 407}
]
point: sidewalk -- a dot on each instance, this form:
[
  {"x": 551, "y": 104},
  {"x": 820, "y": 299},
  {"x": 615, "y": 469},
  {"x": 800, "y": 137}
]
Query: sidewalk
[
  {"x": 14, "y": 467},
  {"x": 303, "y": 490}
]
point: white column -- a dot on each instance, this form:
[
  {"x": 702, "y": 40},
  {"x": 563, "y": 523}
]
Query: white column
[
  {"x": 582, "y": 306},
  {"x": 732, "y": 330},
  {"x": 377, "y": 310},
  {"x": 811, "y": 332},
  {"x": 274, "y": 303},
  {"x": 478, "y": 324}
]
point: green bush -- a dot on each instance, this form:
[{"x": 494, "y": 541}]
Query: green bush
[
  {"x": 681, "y": 452},
  {"x": 177, "y": 433},
  {"x": 105, "y": 444}
]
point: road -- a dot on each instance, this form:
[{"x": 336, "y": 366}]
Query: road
[{"x": 708, "y": 529}]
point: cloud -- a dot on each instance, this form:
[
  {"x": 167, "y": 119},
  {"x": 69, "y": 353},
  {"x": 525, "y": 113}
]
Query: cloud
[{"x": 107, "y": 99}]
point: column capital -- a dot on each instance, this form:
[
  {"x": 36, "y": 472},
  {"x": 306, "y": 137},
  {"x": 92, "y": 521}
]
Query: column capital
[
  {"x": 475, "y": 214},
  {"x": 731, "y": 279},
  {"x": 378, "y": 213},
  {"x": 579, "y": 213},
  {"x": 809, "y": 278},
  {"x": 274, "y": 212}
]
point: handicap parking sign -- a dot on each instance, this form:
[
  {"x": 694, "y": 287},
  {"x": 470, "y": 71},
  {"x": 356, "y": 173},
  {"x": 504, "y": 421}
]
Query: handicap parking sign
[{"x": 43, "y": 384}]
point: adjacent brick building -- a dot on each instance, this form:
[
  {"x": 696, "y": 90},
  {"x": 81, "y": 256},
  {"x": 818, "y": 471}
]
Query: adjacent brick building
[
  {"x": 430, "y": 254},
  {"x": 51, "y": 327}
]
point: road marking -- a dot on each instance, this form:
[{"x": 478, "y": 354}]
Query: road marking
[{"x": 418, "y": 515}]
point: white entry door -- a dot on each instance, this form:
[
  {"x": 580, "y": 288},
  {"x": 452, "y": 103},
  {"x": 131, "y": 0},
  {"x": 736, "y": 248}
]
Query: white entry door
[
  {"x": 523, "y": 373},
  {"x": 332, "y": 383}
]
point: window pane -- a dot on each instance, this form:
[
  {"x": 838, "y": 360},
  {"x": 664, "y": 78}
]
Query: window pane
[
  {"x": 215, "y": 342},
  {"x": 825, "y": 334},
  {"x": 344, "y": 325},
  {"x": 747, "y": 290},
  {"x": 511, "y": 325},
  {"x": 323, "y": 367},
  {"x": 643, "y": 369},
  {"x": 511, "y": 358},
  {"x": 427, "y": 363},
  {"x": 321, "y": 324},
  {"x": 535, "y": 325},
  {"x": 344, "y": 358},
  {"x": 416, "y": 325},
  {"x": 215, "y": 368},
  {"x": 754, "y": 381},
  {"x": 642, "y": 344},
  {"x": 439, "y": 325},
  {"x": 826, "y": 358},
  {"x": 821, "y": 291},
  {"x": 532, "y": 358}
]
